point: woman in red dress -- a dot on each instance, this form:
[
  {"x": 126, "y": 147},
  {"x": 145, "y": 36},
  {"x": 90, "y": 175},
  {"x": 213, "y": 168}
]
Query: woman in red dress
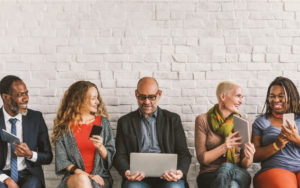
[{"x": 85, "y": 161}]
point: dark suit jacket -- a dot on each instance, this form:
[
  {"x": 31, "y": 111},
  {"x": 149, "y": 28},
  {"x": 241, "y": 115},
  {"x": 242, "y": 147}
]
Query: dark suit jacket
[
  {"x": 35, "y": 135},
  {"x": 170, "y": 135}
]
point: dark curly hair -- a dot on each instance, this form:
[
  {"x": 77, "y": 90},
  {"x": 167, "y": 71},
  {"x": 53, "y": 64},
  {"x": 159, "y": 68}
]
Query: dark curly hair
[{"x": 291, "y": 93}]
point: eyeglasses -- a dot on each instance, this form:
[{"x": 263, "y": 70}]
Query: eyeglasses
[
  {"x": 20, "y": 95},
  {"x": 145, "y": 97}
]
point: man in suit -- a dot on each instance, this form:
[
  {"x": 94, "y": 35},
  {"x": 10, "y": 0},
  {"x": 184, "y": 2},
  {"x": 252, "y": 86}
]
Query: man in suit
[
  {"x": 151, "y": 129},
  {"x": 20, "y": 164}
]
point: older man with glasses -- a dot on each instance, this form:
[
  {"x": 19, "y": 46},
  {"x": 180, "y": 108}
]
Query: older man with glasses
[{"x": 151, "y": 129}]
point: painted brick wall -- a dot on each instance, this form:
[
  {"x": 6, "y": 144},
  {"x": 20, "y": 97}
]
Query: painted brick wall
[{"x": 188, "y": 45}]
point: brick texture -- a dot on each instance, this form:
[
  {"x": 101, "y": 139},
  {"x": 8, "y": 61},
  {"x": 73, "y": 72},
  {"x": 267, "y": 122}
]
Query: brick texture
[{"x": 189, "y": 46}]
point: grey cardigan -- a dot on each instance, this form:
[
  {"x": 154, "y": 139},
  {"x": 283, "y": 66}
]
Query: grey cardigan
[{"x": 67, "y": 153}]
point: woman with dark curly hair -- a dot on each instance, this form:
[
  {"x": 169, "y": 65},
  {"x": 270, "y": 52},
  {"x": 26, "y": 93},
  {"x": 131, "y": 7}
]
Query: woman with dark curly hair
[
  {"x": 84, "y": 161},
  {"x": 278, "y": 146}
]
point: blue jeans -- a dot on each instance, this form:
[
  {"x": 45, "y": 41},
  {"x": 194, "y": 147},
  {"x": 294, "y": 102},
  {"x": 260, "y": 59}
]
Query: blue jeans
[
  {"x": 227, "y": 175},
  {"x": 153, "y": 182}
]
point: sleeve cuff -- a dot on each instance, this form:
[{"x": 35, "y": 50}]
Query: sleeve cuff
[
  {"x": 3, "y": 177},
  {"x": 34, "y": 157}
]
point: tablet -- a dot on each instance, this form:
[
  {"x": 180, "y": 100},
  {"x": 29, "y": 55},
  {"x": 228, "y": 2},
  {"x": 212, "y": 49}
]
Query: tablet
[
  {"x": 242, "y": 126},
  {"x": 8, "y": 137},
  {"x": 152, "y": 164}
]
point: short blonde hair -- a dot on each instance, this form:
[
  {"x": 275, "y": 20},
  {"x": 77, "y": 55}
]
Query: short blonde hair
[{"x": 225, "y": 87}]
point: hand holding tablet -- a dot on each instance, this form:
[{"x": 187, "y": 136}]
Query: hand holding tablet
[
  {"x": 241, "y": 125},
  {"x": 10, "y": 138}
]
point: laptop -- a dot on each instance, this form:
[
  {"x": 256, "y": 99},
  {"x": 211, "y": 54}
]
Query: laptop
[
  {"x": 241, "y": 125},
  {"x": 152, "y": 164}
]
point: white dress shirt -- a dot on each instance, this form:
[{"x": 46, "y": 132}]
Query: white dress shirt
[{"x": 21, "y": 160}]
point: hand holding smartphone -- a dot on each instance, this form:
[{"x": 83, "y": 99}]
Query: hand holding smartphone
[
  {"x": 290, "y": 117},
  {"x": 96, "y": 130}
]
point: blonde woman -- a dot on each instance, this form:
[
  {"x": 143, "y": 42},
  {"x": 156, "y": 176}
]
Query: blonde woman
[
  {"x": 223, "y": 163},
  {"x": 84, "y": 161}
]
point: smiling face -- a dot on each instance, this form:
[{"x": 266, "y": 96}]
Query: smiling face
[
  {"x": 278, "y": 100},
  {"x": 233, "y": 99},
  {"x": 16, "y": 102},
  {"x": 147, "y": 95},
  {"x": 91, "y": 101}
]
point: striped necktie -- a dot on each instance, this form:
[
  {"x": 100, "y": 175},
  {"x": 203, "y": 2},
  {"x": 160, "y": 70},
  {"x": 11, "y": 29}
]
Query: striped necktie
[{"x": 13, "y": 162}]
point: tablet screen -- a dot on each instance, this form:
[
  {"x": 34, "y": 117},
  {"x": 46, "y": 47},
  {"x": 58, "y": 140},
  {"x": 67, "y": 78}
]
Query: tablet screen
[
  {"x": 8, "y": 137},
  {"x": 241, "y": 125}
]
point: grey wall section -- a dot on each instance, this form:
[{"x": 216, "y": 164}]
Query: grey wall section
[{"x": 188, "y": 45}]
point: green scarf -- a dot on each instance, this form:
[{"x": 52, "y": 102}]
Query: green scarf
[{"x": 222, "y": 127}]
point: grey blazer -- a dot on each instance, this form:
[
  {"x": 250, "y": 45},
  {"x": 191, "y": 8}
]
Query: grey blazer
[{"x": 67, "y": 153}]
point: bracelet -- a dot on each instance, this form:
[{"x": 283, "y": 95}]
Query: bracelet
[
  {"x": 275, "y": 146},
  {"x": 72, "y": 170}
]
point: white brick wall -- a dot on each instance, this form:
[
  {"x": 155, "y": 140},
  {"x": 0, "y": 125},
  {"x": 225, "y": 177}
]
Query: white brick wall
[{"x": 189, "y": 46}]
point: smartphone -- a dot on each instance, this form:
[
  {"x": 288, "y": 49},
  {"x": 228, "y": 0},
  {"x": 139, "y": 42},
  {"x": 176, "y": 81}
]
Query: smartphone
[
  {"x": 290, "y": 117},
  {"x": 96, "y": 130}
]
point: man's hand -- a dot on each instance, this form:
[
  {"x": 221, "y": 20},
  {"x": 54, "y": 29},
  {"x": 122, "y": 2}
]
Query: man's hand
[
  {"x": 10, "y": 183},
  {"x": 173, "y": 176},
  {"x": 134, "y": 177},
  {"x": 22, "y": 150}
]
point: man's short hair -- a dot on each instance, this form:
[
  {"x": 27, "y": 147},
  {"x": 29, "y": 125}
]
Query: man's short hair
[
  {"x": 225, "y": 87},
  {"x": 6, "y": 83}
]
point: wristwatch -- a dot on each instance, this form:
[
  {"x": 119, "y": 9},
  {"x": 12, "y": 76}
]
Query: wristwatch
[{"x": 72, "y": 170}]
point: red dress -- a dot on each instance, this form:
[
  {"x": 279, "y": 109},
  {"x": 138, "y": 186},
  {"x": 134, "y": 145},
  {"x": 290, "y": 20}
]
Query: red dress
[{"x": 85, "y": 145}]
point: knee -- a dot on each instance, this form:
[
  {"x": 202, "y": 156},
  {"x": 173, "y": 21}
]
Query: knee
[
  {"x": 178, "y": 184},
  {"x": 133, "y": 184},
  {"x": 234, "y": 184},
  {"x": 227, "y": 165},
  {"x": 81, "y": 179}
]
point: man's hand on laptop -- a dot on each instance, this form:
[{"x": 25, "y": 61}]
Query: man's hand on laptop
[
  {"x": 139, "y": 176},
  {"x": 173, "y": 176}
]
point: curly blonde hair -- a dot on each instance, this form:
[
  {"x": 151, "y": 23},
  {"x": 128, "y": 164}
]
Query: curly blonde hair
[{"x": 70, "y": 108}]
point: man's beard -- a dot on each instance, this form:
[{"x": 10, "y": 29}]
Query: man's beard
[{"x": 13, "y": 106}]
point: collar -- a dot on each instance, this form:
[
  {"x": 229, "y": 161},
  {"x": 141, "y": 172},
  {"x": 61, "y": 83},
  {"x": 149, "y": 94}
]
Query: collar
[
  {"x": 7, "y": 116},
  {"x": 154, "y": 114}
]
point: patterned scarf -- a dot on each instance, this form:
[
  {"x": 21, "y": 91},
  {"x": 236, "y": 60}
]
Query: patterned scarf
[{"x": 222, "y": 127}]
